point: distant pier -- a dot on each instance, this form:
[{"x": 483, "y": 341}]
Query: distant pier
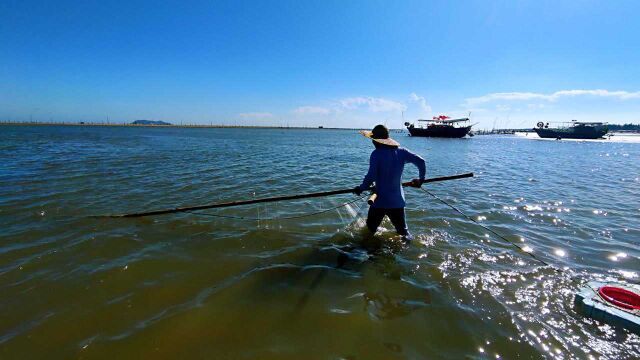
[{"x": 501, "y": 131}]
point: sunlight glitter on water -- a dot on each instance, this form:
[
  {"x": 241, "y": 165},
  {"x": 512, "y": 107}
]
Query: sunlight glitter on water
[
  {"x": 532, "y": 208},
  {"x": 618, "y": 256}
]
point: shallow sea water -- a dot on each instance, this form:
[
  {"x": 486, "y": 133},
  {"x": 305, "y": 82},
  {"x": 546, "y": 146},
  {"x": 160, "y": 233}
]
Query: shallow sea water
[{"x": 201, "y": 286}]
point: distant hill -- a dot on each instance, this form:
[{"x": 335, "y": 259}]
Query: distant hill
[
  {"x": 150, "y": 122},
  {"x": 629, "y": 127}
]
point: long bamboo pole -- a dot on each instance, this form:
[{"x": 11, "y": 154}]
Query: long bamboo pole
[{"x": 267, "y": 199}]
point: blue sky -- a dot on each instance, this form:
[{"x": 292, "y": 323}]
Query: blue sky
[{"x": 310, "y": 63}]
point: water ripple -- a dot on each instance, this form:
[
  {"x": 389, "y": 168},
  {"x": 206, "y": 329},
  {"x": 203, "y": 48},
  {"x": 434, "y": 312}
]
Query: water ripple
[{"x": 83, "y": 287}]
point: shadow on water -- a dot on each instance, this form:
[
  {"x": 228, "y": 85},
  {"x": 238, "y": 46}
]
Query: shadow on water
[{"x": 353, "y": 254}]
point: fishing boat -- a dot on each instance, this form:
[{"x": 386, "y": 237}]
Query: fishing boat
[
  {"x": 441, "y": 126},
  {"x": 611, "y": 303},
  {"x": 573, "y": 130}
]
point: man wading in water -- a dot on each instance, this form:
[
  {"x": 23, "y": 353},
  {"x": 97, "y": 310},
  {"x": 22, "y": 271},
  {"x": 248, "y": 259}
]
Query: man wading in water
[{"x": 385, "y": 170}]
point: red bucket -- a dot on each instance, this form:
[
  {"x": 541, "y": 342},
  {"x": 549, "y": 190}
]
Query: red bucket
[{"x": 620, "y": 297}]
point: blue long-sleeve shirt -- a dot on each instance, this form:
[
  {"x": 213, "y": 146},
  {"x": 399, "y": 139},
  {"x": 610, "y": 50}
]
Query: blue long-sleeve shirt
[{"x": 385, "y": 169}]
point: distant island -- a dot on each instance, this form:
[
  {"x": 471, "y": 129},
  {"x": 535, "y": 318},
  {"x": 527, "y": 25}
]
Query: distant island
[
  {"x": 150, "y": 122},
  {"x": 625, "y": 127}
]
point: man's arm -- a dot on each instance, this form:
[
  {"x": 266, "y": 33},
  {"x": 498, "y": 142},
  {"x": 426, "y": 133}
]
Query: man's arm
[
  {"x": 418, "y": 162},
  {"x": 371, "y": 174}
]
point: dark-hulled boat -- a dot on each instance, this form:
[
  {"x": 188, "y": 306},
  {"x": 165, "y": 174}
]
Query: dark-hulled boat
[
  {"x": 440, "y": 126},
  {"x": 574, "y": 130}
]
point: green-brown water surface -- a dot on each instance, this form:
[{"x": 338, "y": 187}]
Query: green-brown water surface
[{"x": 197, "y": 286}]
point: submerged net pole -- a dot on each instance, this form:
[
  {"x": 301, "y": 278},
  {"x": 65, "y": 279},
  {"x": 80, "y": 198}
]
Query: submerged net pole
[{"x": 267, "y": 199}]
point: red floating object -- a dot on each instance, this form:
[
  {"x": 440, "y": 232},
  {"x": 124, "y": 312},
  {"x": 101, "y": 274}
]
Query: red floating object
[{"x": 620, "y": 297}]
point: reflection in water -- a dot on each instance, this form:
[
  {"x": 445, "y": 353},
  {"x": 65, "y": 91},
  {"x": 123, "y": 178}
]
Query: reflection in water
[
  {"x": 355, "y": 249},
  {"x": 382, "y": 307}
]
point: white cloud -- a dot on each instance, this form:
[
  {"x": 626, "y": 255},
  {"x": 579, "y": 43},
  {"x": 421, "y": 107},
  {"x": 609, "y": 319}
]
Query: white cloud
[
  {"x": 312, "y": 110},
  {"x": 502, "y": 107},
  {"x": 426, "y": 108},
  {"x": 504, "y": 96},
  {"x": 256, "y": 115},
  {"x": 622, "y": 95},
  {"x": 362, "y": 110},
  {"x": 372, "y": 104},
  {"x": 521, "y": 96},
  {"x": 476, "y": 110}
]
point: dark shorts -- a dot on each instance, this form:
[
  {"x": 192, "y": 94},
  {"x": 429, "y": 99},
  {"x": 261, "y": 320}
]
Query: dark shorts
[{"x": 375, "y": 216}]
